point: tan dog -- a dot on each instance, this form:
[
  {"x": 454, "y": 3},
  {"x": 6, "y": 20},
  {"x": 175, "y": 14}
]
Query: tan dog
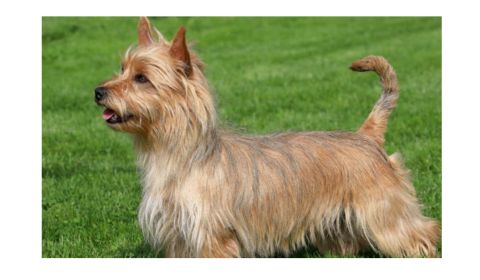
[{"x": 212, "y": 193}]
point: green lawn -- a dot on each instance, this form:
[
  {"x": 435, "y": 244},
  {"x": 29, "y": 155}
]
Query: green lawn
[{"x": 269, "y": 74}]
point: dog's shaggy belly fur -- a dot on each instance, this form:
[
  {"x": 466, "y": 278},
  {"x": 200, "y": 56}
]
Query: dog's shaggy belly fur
[{"x": 283, "y": 191}]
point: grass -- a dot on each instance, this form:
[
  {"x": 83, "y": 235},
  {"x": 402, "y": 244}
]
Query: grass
[{"x": 269, "y": 74}]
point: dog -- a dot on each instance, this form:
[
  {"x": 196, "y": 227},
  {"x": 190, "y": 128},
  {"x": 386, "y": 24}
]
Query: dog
[{"x": 209, "y": 192}]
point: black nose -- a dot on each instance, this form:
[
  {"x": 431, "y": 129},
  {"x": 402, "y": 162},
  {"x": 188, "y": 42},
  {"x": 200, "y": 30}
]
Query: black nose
[{"x": 100, "y": 93}]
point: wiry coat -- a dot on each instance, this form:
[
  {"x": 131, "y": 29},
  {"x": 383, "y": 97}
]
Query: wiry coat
[{"x": 212, "y": 193}]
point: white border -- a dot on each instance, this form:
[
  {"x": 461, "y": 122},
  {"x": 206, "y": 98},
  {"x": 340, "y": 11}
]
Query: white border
[{"x": 20, "y": 148}]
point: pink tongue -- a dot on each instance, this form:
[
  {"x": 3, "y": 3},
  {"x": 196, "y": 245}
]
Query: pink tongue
[{"x": 107, "y": 114}]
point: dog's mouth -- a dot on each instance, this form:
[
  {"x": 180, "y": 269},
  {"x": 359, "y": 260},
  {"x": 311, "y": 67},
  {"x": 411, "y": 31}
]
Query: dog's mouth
[{"x": 111, "y": 117}]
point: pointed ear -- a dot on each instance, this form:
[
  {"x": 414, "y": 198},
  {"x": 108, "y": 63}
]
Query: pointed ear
[
  {"x": 179, "y": 50},
  {"x": 144, "y": 32}
]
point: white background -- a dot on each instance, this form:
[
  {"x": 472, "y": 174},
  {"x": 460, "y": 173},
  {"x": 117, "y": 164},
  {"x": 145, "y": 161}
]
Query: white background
[{"x": 20, "y": 147}]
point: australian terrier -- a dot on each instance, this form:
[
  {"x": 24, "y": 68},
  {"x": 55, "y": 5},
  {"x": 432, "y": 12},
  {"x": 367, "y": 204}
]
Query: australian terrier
[{"x": 212, "y": 193}]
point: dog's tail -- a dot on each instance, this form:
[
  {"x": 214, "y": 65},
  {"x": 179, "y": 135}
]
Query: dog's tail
[{"x": 376, "y": 123}]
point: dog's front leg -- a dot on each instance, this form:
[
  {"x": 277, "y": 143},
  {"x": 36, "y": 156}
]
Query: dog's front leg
[{"x": 221, "y": 247}]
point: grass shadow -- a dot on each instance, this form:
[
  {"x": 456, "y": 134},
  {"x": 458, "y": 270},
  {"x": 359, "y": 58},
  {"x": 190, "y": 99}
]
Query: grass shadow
[
  {"x": 145, "y": 251},
  {"x": 312, "y": 252}
]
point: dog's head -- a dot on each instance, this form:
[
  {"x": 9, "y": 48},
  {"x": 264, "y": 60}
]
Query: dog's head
[{"x": 160, "y": 89}]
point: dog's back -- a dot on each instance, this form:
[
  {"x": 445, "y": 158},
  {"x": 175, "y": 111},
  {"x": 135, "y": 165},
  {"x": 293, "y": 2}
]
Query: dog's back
[{"x": 332, "y": 189}]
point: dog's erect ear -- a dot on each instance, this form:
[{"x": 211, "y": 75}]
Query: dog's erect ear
[
  {"x": 179, "y": 50},
  {"x": 144, "y": 32}
]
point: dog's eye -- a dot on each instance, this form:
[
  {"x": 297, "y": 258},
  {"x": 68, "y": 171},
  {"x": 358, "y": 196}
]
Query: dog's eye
[
  {"x": 140, "y": 78},
  {"x": 122, "y": 69}
]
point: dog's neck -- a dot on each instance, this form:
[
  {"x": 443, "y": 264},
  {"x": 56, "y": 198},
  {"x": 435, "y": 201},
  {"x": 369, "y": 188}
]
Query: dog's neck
[{"x": 160, "y": 161}]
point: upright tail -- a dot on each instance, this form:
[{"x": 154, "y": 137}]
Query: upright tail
[{"x": 376, "y": 123}]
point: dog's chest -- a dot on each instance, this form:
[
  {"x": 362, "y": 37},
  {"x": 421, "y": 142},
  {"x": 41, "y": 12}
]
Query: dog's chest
[{"x": 170, "y": 207}]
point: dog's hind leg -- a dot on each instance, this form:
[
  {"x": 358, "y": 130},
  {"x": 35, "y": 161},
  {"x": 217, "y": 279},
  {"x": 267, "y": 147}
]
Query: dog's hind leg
[{"x": 396, "y": 227}]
